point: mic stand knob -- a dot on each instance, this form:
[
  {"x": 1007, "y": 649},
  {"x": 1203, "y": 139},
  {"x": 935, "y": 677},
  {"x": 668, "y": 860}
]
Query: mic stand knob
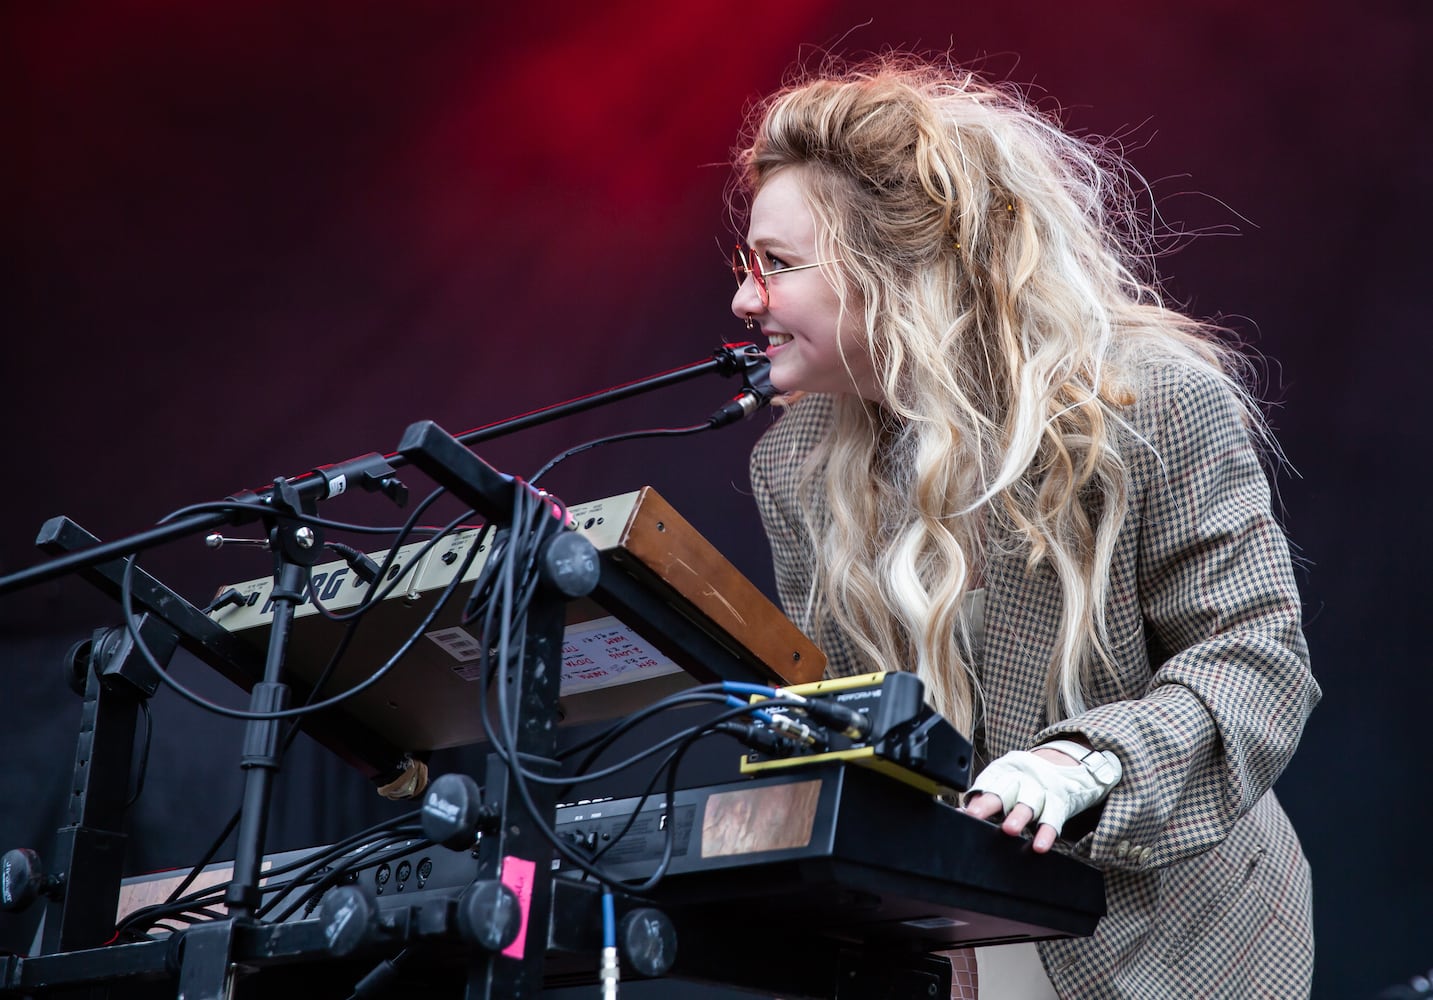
[
  {"x": 349, "y": 918},
  {"x": 649, "y": 941},
  {"x": 22, "y": 881},
  {"x": 489, "y": 915}
]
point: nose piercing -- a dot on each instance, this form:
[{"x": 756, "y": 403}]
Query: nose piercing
[{"x": 749, "y": 324}]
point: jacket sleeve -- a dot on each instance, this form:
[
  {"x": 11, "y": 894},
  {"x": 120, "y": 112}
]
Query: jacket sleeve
[{"x": 1231, "y": 687}]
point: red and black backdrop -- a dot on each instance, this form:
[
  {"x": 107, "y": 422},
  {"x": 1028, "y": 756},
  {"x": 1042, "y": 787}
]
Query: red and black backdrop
[{"x": 244, "y": 239}]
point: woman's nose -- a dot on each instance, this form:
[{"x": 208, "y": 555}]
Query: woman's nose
[{"x": 747, "y": 300}]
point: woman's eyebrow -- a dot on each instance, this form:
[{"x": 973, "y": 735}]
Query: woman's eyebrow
[{"x": 765, "y": 243}]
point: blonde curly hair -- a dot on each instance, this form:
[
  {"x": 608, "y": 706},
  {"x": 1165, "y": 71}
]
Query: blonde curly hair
[{"x": 1010, "y": 311}]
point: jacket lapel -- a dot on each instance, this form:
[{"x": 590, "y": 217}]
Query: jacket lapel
[{"x": 1022, "y": 614}]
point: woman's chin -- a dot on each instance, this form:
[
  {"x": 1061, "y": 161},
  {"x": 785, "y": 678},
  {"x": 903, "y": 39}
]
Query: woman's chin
[{"x": 785, "y": 377}]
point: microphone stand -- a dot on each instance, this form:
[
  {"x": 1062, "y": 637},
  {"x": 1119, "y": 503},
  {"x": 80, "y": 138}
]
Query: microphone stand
[
  {"x": 374, "y": 472},
  {"x": 742, "y": 359}
]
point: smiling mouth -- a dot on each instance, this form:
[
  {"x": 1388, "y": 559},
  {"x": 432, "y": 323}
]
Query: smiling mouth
[{"x": 777, "y": 339}]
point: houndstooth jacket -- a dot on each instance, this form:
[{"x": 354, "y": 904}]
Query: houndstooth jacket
[{"x": 1208, "y": 890}]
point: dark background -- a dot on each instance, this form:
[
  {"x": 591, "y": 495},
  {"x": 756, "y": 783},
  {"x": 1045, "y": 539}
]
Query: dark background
[{"x": 244, "y": 239}]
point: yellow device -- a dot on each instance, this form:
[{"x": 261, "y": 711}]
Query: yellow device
[{"x": 894, "y": 731}]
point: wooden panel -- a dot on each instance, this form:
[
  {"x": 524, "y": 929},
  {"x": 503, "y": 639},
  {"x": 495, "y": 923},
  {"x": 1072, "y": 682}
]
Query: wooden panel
[{"x": 668, "y": 546}]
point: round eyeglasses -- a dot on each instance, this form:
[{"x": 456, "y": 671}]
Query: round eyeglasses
[{"x": 746, "y": 261}]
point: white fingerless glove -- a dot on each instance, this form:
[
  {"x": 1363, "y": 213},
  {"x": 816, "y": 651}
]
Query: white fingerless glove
[{"x": 1054, "y": 792}]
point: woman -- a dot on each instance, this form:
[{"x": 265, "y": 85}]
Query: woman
[{"x": 1007, "y": 465}]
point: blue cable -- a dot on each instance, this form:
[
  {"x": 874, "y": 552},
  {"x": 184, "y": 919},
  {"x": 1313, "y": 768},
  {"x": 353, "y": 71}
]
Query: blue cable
[
  {"x": 739, "y": 687},
  {"x": 734, "y": 702},
  {"x": 610, "y": 975}
]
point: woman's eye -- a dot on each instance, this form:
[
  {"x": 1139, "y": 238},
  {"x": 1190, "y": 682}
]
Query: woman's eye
[{"x": 775, "y": 262}]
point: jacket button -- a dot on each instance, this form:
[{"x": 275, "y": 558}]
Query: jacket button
[{"x": 1122, "y": 851}]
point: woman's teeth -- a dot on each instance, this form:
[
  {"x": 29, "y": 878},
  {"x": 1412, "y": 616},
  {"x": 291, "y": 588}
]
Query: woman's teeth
[{"x": 777, "y": 339}]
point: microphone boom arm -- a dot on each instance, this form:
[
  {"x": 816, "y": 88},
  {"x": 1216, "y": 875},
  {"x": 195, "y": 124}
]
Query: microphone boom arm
[{"x": 374, "y": 471}]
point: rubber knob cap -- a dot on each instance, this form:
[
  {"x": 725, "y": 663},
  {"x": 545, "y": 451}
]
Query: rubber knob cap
[
  {"x": 648, "y": 941},
  {"x": 489, "y": 915},
  {"x": 452, "y": 808},
  {"x": 347, "y": 914},
  {"x": 570, "y": 565},
  {"x": 21, "y": 879}
]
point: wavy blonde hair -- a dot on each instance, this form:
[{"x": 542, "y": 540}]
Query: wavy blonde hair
[{"x": 1009, "y": 308}]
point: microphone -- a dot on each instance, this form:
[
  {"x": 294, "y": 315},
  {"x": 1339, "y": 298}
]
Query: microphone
[{"x": 756, "y": 392}]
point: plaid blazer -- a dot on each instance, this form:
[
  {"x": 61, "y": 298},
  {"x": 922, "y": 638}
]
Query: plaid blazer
[{"x": 1207, "y": 887}]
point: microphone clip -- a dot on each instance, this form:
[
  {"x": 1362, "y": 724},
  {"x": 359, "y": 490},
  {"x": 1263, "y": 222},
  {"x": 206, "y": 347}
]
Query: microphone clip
[{"x": 757, "y": 390}]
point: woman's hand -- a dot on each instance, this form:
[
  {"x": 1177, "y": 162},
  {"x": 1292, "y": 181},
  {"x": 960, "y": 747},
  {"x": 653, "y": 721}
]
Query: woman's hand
[{"x": 1048, "y": 784}]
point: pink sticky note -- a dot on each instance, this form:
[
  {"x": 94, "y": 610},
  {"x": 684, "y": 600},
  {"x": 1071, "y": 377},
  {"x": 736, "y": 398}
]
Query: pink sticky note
[{"x": 517, "y": 876}]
